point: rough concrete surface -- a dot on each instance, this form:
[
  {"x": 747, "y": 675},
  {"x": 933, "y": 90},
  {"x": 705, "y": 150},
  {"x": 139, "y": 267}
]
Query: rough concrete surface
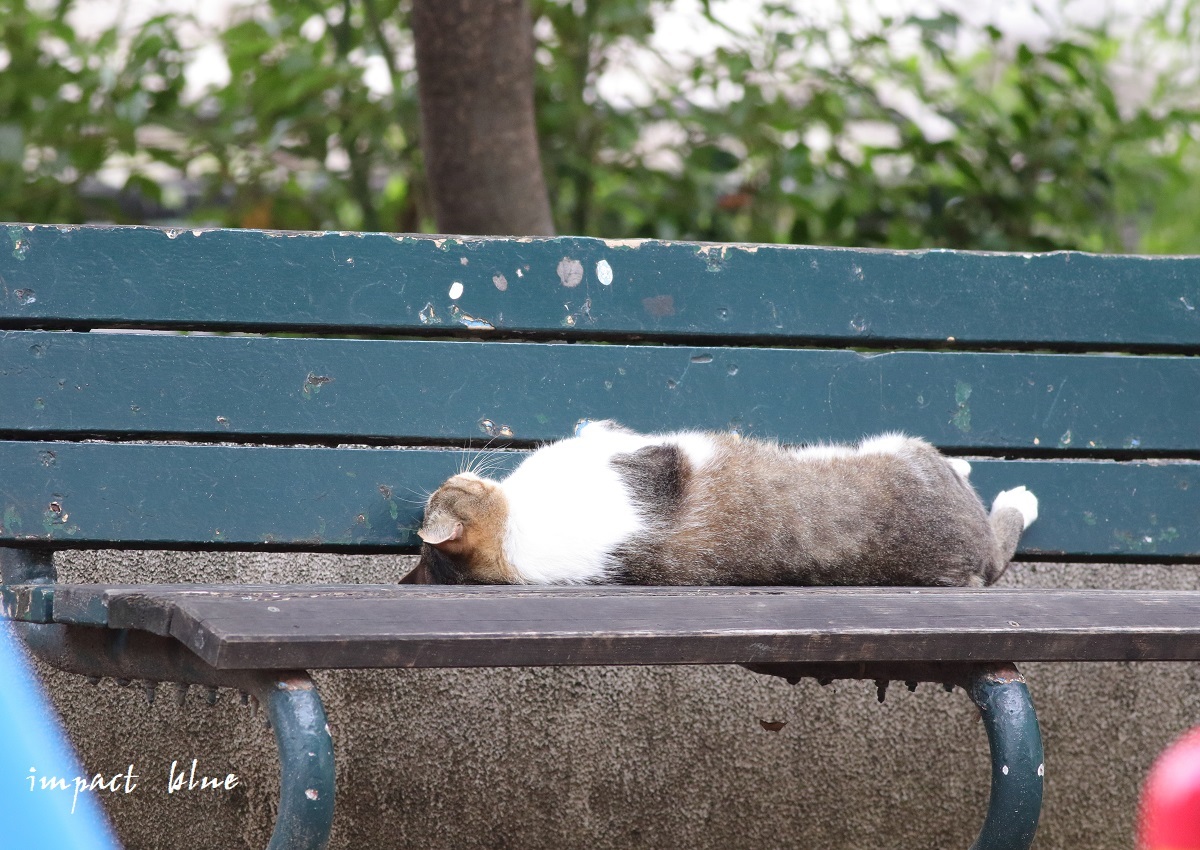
[{"x": 627, "y": 757}]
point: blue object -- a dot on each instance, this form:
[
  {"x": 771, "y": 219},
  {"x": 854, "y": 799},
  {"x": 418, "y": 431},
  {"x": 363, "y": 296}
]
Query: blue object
[{"x": 39, "y": 774}]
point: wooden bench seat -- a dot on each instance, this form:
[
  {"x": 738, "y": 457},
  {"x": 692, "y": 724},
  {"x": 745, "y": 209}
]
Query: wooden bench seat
[{"x": 249, "y": 391}]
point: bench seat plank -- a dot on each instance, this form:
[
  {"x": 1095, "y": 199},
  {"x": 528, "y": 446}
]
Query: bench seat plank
[
  {"x": 370, "y": 499},
  {"x": 70, "y": 277},
  {"x": 389, "y": 626},
  {"x": 352, "y": 390}
]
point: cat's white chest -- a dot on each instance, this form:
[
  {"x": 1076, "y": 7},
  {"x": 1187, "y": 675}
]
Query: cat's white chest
[{"x": 568, "y": 508}]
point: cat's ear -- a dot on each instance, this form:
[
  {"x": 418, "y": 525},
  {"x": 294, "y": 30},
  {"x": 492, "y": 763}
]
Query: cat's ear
[{"x": 439, "y": 535}]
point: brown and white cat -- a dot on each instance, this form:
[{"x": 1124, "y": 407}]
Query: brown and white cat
[{"x": 610, "y": 506}]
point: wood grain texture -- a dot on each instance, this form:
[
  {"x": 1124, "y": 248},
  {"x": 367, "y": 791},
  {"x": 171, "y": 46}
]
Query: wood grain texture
[
  {"x": 389, "y": 626},
  {"x": 219, "y": 388},
  {"x": 70, "y": 276}
]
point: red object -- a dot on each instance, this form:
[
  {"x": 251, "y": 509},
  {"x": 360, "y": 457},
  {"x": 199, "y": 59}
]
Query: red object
[{"x": 1169, "y": 817}]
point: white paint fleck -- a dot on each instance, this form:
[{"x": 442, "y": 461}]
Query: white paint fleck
[
  {"x": 520, "y": 273},
  {"x": 1187, "y": 304},
  {"x": 463, "y": 260},
  {"x": 456, "y": 290},
  {"x": 570, "y": 272},
  {"x": 1042, "y": 769},
  {"x": 1004, "y": 770},
  {"x": 500, "y": 281},
  {"x": 311, "y": 794},
  {"x": 273, "y": 609},
  {"x": 604, "y": 272}
]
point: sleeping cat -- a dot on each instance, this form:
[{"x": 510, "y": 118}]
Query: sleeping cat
[{"x": 611, "y": 506}]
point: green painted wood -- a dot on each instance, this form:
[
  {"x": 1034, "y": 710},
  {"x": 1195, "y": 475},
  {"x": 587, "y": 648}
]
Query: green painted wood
[
  {"x": 71, "y": 276},
  {"x": 219, "y": 388},
  {"x": 389, "y": 626},
  {"x": 362, "y": 499}
]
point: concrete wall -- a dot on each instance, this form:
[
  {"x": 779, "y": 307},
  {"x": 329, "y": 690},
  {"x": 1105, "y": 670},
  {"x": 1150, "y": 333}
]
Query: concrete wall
[{"x": 627, "y": 758}]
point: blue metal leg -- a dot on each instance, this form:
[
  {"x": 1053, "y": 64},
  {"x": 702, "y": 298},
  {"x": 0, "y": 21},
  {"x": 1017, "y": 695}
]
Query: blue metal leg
[
  {"x": 306, "y": 773},
  {"x": 306, "y": 770},
  {"x": 1018, "y": 764}
]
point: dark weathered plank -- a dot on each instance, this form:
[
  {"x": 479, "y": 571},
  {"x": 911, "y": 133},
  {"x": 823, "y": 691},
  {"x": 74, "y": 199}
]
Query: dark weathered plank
[
  {"x": 57, "y": 384},
  {"x": 363, "y": 499},
  {"x": 396, "y": 627},
  {"x": 105, "y": 276}
]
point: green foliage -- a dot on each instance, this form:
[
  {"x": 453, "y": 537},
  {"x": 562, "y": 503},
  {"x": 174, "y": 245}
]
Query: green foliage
[{"x": 915, "y": 132}]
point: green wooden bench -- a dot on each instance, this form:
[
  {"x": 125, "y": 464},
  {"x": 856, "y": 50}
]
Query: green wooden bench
[{"x": 322, "y": 379}]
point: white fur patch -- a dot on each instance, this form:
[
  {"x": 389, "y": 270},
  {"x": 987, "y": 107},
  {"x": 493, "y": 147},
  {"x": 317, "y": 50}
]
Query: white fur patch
[
  {"x": 568, "y": 508},
  {"x": 823, "y": 451},
  {"x": 885, "y": 444},
  {"x": 1021, "y": 499},
  {"x": 960, "y": 466},
  {"x": 698, "y": 448}
]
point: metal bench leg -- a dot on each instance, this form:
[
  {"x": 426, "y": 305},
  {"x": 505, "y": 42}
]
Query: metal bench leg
[
  {"x": 306, "y": 768},
  {"x": 306, "y": 771},
  {"x": 1017, "y": 759}
]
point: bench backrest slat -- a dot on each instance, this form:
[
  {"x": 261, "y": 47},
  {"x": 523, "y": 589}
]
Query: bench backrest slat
[
  {"x": 265, "y": 388},
  {"x": 347, "y": 499},
  {"x": 567, "y": 287}
]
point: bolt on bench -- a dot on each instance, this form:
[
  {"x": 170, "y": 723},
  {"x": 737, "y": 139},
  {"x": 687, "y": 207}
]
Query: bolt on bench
[{"x": 242, "y": 390}]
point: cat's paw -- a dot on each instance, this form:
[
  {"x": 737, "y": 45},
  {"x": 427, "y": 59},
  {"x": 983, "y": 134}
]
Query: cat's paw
[
  {"x": 1020, "y": 499},
  {"x": 960, "y": 466}
]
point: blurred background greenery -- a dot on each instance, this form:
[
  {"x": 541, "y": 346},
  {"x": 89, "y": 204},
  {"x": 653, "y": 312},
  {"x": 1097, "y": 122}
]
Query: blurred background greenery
[{"x": 873, "y": 130}]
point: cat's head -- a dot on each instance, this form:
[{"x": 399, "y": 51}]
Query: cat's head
[{"x": 463, "y": 534}]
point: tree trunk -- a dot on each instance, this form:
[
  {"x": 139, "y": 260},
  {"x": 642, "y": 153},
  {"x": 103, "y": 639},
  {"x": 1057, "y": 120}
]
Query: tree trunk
[{"x": 475, "y": 72}]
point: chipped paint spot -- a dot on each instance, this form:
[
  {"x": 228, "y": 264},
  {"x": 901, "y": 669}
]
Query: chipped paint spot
[
  {"x": 313, "y": 384},
  {"x": 604, "y": 273},
  {"x": 456, "y": 290},
  {"x": 731, "y": 369},
  {"x": 1187, "y": 305},
  {"x": 702, "y": 358},
  {"x": 859, "y": 325},
  {"x": 570, "y": 272},
  {"x": 1004, "y": 770},
  {"x": 856, "y": 271},
  {"x": 659, "y": 306},
  {"x": 470, "y": 321},
  {"x": 221, "y": 420},
  {"x": 272, "y": 609},
  {"x": 1133, "y": 443},
  {"x": 1065, "y": 439},
  {"x": 1042, "y": 769},
  {"x": 962, "y": 412},
  {"x": 723, "y": 314},
  {"x": 520, "y": 273},
  {"x": 428, "y": 316},
  {"x": 500, "y": 282},
  {"x": 47, "y": 458},
  {"x": 311, "y": 794},
  {"x": 625, "y": 243},
  {"x": 490, "y": 428},
  {"x": 24, "y": 296},
  {"x": 463, "y": 261}
]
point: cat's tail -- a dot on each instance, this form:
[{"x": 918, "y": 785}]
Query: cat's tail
[{"x": 1013, "y": 511}]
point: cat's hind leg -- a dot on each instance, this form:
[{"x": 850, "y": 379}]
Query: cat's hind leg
[{"x": 1013, "y": 511}]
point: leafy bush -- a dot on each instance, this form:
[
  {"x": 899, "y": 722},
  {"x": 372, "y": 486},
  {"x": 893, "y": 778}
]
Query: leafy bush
[{"x": 915, "y": 132}]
